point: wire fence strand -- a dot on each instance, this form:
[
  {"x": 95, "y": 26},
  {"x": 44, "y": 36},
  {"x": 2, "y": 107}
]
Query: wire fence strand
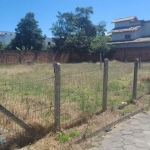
[{"x": 28, "y": 92}]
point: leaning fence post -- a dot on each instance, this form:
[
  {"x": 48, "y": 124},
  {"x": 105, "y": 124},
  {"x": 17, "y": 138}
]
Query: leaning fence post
[
  {"x": 14, "y": 118},
  {"x": 134, "y": 94},
  {"x": 57, "y": 96},
  {"x": 105, "y": 85}
]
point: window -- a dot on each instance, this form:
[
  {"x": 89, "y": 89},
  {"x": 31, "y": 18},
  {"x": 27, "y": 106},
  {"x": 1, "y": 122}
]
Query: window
[
  {"x": 128, "y": 36},
  {"x": 49, "y": 43},
  {"x": 5, "y": 33}
]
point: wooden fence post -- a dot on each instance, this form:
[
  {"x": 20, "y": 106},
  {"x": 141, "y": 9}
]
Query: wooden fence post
[
  {"x": 105, "y": 85},
  {"x": 134, "y": 94},
  {"x": 57, "y": 96}
]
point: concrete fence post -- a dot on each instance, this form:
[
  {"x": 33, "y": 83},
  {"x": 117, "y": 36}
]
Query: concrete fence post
[
  {"x": 57, "y": 71},
  {"x": 105, "y": 85},
  {"x": 100, "y": 61},
  {"x": 134, "y": 94},
  {"x": 14, "y": 118},
  {"x": 139, "y": 62}
]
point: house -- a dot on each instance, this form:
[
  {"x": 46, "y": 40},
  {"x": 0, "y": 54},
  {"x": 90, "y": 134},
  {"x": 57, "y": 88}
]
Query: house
[
  {"x": 6, "y": 37},
  {"x": 131, "y": 33}
]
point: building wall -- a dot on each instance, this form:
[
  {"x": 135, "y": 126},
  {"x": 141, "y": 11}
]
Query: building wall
[
  {"x": 121, "y": 36},
  {"x": 142, "y": 31},
  {"x": 146, "y": 29},
  {"x": 6, "y": 37},
  {"x": 122, "y": 24},
  {"x": 48, "y": 41},
  {"x": 127, "y": 23},
  {"x": 139, "y": 33},
  {"x": 135, "y": 23}
]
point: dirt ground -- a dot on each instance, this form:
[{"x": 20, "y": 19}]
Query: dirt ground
[{"x": 89, "y": 131}]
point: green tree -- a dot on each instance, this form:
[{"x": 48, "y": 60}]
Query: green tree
[
  {"x": 79, "y": 43},
  {"x": 74, "y": 31},
  {"x": 101, "y": 28},
  {"x": 2, "y": 46},
  {"x": 28, "y": 34},
  {"x": 84, "y": 22},
  {"x": 65, "y": 25},
  {"x": 99, "y": 45}
]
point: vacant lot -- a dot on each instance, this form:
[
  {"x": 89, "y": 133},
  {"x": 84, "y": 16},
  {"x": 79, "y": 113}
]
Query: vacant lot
[{"x": 28, "y": 92}]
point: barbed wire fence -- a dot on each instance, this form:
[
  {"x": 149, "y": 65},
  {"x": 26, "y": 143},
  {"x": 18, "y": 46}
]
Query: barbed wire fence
[
  {"x": 73, "y": 92},
  {"x": 144, "y": 78},
  {"x": 30, "y": 101}
]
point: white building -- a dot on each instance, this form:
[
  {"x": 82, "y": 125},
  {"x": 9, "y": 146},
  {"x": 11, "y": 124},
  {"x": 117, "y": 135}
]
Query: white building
[
  {"x": 48, "y": 41},
  {"x": 6, "y": 37},
  {"x": 130, "y": 32}
]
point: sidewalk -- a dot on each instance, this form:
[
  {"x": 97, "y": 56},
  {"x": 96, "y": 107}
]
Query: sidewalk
[{"x": 133, "y": 134}]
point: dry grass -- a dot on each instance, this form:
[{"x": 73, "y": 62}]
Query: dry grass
[{"x": 28, "y": 92}]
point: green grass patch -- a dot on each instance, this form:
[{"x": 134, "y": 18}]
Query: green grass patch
[
  {"x": 129, "y": 108},
  {"x": 65, "y": 137}
]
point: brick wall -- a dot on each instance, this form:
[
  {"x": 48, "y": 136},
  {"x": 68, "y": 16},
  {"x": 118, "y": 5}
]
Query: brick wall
[
  {"x": 129, "y": 54},
  {"x": 122, "y": 54},
  {"x": 14, "y": 57}
]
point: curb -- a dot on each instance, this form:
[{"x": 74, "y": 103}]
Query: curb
[{"x": 108, "y": 126}]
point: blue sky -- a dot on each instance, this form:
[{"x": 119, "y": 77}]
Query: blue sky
[{"x": 11, "y": 11}]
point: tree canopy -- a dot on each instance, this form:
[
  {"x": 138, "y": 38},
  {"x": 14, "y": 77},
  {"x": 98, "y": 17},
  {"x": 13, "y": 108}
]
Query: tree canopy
[
  {"x": 75, "y": 32},
  {"x": 98, "y": 44},
  {"x": 28, "y": 34}
]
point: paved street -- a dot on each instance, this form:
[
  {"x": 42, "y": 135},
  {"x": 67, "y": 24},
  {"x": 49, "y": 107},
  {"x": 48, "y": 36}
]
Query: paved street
[{"x": 133, "y": 134}]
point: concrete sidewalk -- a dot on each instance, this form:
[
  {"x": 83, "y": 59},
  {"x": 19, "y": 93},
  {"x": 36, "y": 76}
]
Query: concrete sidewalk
[{"x": 133, "y": 134}]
